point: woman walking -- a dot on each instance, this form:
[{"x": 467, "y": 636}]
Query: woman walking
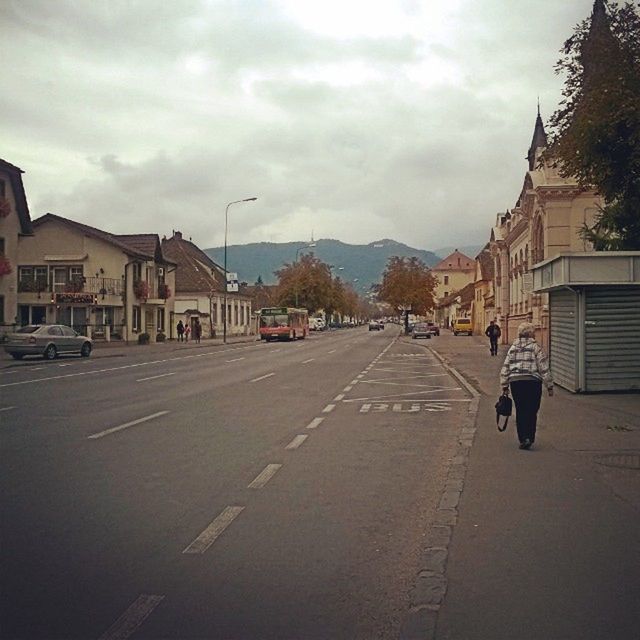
[{"x": 525, "y": 369}]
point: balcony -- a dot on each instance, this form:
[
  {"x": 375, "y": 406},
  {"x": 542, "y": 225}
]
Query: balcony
[{"x": 98, "y": 286}]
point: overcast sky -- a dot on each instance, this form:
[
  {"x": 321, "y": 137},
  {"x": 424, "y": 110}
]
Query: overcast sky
[{"x": 349, "y": 119}]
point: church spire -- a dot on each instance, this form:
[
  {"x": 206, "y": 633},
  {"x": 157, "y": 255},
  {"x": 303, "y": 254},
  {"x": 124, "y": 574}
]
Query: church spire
[{"x": 539, "y": 140}]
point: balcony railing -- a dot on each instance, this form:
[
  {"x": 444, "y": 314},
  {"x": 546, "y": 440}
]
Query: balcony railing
[{"x": 99, "y": 286}]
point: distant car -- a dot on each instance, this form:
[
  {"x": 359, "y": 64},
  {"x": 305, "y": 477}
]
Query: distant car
[
  {"x": 421, "y": 330},
  {"x": 46, "y": 340},
  {"x": 434, "y": 328},
  {"x": 374, "y": 325},
  {"x": 462, "y": 325}
]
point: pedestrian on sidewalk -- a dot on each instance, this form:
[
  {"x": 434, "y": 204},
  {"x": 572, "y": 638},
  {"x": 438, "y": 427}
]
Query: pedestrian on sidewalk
[
  {"x": 493, "y": 332},
  {"x": 524, "y": 370},
  {"x": 197, "y": 330},
  {"x": 180, "y": 331},
  {"x": 187, "y": 332}
]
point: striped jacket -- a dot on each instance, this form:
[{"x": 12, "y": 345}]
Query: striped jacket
[{"x": 525, "y": 359}]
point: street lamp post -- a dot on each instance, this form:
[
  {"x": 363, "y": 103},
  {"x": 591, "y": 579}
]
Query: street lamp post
[
  {"x": 226, "y": 226},
  {"x": 298, "y": 250}
]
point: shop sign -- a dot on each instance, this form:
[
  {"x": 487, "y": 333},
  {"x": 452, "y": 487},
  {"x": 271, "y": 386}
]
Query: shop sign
[{"x": 75, "y": 298}]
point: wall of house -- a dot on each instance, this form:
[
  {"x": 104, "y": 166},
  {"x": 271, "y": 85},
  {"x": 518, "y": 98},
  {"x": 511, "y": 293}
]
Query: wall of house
[
  {"x": 9, "y": 230},
  {"x": 456, "y": 281}
]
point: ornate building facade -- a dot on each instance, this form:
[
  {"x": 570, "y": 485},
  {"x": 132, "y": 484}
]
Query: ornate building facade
[{"x": 548, "y": 218}]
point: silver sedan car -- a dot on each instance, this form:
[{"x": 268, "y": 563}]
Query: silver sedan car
[{"x": 46, "y": 340}]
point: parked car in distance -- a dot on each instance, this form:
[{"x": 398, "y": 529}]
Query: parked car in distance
[
  {"x": 375, "y": 325},
  {"x": 462, "y": 325},
  {"x": 421, "y": 330},
  {"x": 434, "y": 328},
  {"x": 316, "y": 324},
  {"x": 46, "y": 340}
]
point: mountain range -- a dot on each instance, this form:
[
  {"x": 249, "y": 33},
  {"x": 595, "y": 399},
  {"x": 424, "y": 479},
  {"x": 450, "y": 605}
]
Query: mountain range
[{"x": 361, "y": 265}]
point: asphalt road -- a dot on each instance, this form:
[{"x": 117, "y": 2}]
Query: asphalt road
[{"x": 278, "y": 490}]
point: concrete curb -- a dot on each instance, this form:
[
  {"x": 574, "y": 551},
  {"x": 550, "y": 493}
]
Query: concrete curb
[{"x": 430, "y": 588}]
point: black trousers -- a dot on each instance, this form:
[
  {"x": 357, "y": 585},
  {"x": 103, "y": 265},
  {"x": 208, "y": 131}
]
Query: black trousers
[
  {"x": 526, "y": 396},
  {"x": 493, "y": 345}
]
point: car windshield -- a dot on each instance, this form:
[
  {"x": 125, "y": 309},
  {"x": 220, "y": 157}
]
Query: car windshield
[
  {"x": 421, "y": 327},
  {"x": 464, "y": 321},
  {"x": 30, "y": 328}
]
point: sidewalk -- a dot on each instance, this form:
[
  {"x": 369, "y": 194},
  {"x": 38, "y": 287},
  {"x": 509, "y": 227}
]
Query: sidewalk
[{"x": 546, "y": 542}]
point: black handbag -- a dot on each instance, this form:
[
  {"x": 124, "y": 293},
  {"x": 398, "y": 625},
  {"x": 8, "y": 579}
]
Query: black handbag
[{"x": 504, "y": 407}]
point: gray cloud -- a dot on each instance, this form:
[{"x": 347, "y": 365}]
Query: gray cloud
[{"x": 146, "y": 116}]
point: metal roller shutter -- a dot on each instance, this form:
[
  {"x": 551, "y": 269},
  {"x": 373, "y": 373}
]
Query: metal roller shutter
[
  {"x": 612, "y": 338},
  {"x": 563, "y": 357}
]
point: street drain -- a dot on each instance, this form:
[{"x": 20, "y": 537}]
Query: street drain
[{"x": 620, "y": 460}]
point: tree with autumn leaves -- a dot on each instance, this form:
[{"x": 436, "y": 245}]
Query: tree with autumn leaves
[
  {"x": 595, "y": 133},
  {"x": 408, "y": 286}
]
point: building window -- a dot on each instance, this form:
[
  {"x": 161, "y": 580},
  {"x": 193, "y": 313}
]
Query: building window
[
  {"x": 137, "y": 271},
  {"x": 1, "y": 309},
  {"x": 446, "y": 293},
  {"x": 161, "y": 320},
  {"x": 446, "y": 279},
  {"x": 1, "y": 246},
  {"x": 3, "y": 189},
  {"x": 136, "y": 319}
]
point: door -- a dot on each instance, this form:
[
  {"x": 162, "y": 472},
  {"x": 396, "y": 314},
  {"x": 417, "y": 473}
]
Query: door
[{"x": 563, "y": 315}]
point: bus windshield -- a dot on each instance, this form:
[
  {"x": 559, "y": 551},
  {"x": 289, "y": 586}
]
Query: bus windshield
[{"x": 279, "y": 320}]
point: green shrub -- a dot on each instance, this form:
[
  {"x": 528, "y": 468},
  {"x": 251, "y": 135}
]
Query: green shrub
[
  {"x": 143, "y": 338},
  {"x": 161, "y": 337}
]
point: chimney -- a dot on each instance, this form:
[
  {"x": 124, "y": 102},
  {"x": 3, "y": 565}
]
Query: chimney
[{"x": 177, "y": 235}]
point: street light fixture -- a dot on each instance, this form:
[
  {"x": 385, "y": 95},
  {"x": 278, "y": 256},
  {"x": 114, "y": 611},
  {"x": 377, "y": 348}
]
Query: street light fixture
[
  {"x": 298, "y": 250},
  {"x": 226, "y": 284}
]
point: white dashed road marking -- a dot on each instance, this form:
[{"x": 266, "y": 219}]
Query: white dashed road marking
[
  {"x": 329, "y": 408},
  {"x": 309, "y": 360},
  {"x": 107, "y": 432},
  {"x": 296, "y": 442},
  {"x": 265, "y": 475},
  {"x": 162, "y": 375},
  {"x": 338, "y": 397},
  {"x": 235, "y": 360},
  {"x": 268, "y": 375},
  {"x": 315, "y": 423},
  {"x": 132, "y": 618},
  {"x": 6, "y": 408},
  {"x": 214, "y": 530}
]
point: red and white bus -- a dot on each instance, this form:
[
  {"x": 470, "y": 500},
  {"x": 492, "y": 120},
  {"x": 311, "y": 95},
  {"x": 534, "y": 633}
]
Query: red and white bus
[{"x": 283, "y": 323}]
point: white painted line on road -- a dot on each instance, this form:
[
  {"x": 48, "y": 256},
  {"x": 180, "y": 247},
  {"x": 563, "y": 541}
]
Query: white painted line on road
[
  {"x": 268, "y": 375},
  {"x": 347, "y": 389},
  {"x": 296, "y": 442},
  {"x": 107, "y": 432},
  {"x": 360, "y": 375},
  {"x": 132, "y": 618},
  {"x": 332, "y": 351},
  {"x": 6, "y": 408},
  {"x": 338, "y": 397},
  {"x": 275, "y": 351},
  {"x": 67, "y": 364},
  {"x": 36, "y": 368},
  {"x": 264, "y": 476},
  {"x": 315, "y": 423},
  {"x": 329, "y": 408},
  {"x": 309, "y": 360},
  {"x": 354, "y": 382},
  {"x": 214, "y": 530},
  {"x": 161, "y": 375},
  {"x": 235, "y": 360}
]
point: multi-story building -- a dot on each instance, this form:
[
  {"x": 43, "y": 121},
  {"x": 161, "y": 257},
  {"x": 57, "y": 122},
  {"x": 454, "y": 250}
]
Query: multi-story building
[
  {"x": 15, "y": 223},
  {"x": 104, "y": 285},
  {"x": 549, "y": 215},
  {"x": 482, "y": 307},
  {"x": 200, "y": 291},
  {"x": 452, "y": 275}
]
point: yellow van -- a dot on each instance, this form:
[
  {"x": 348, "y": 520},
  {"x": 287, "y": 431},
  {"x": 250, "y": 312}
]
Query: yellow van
[{"x": 462, "y": 325}]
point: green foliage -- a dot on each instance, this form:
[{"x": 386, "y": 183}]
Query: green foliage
[
  {"x": 143, "y": 338},
  {"x": 596, "y": 130},
  {"x": 407, "y": 284}
]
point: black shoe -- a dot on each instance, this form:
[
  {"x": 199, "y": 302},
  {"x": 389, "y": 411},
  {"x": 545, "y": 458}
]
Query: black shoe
[{"x": 526, "y": 444}]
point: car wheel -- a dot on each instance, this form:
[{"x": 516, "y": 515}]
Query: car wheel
[
  {"x": 51, "y": 353},
  {"x": 455, "y": 333},
  {"x": 17, "y": 356},
  {"x": 85, "y": 351}
]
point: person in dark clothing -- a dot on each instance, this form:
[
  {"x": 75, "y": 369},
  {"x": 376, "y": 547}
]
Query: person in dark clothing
[
  {"x": 197, "y": 330},
  {"x": 525, "y": 369},
  {"x": 493, "y": 332},
  {"x": 180, "y": 331}
]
